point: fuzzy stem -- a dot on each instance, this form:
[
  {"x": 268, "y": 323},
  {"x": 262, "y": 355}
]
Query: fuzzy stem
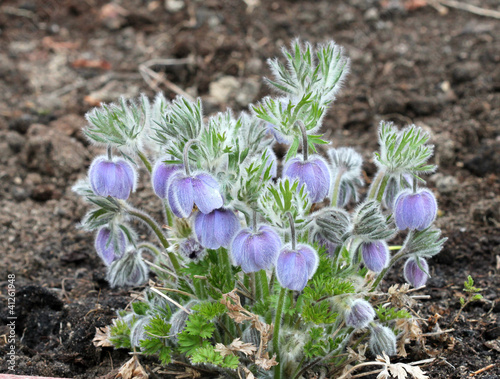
[
  {"x": 263, "y": 283},
  {"x": 146, "y": 162},
  {"x": 226, "y": 266},
  {"x": 375, "y": 184},
  {"x": 168, "y": 214},
  {"x": 415, "y": 187},
  {"x": 382, "y": 188},
  {"x": 110, "y": 155},
  {"x": 185, "y": 155},
  {"x": 336, "y": 188},
  {"x": 276, "y": 333},
  {"x": 304, "y": 139},
  {"x": 292, "y": 230},
  {"x": 254, "y": 221},
  {"x": 157, "y": 230},
  {"x": 150, "y": 247}
]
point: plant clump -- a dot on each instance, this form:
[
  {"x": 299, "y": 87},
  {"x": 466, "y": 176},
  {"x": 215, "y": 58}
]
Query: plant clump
[{"x": 257, "y": 275}]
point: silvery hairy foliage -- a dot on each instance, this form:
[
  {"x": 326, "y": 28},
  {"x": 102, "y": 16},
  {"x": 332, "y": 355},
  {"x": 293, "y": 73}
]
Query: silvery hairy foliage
[{"x": 260, "y": 266}]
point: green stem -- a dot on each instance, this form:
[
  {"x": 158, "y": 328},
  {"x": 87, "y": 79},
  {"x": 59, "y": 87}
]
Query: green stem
[
  {"x": 276, "y": 333},
  {"x": 336, "y": 188},
  {"x": 304, "y": 139},
  {"x": 168, "y": 213},
  {"x": 150, "y": 247},
  {"x": 255, "y": 288},
  {"x": 263, "y": 283},
  {"x": 146, "y": 162},
  {"x": 157, "y": 230},
  {"x": 227, "y": 267},
  {"x": 375, "y": 184},
  {"x": 382, "y": 188},
  {"x": 186, "y": 155}
]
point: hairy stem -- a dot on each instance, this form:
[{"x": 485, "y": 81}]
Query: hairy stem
[
  {"x": 109, "y": 152},
  {"x": 157, "y": 230},
  {"x": 185, "y": 155},
  {"x": 381, "y": 190},
  {"x": 375, "y": 184},
  {"x": 292, "y": 230},
  {"x": 263, "y": 283},
  {"x": 336, "y": 188},
  {"x": 145, "y": 160},
  {"x": 276, "y": 333},
  {"x": 304, "y": 139},
  {"x": 150, "y": 247}
]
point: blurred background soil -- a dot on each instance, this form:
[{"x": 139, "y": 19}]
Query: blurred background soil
[{"x": 411, "y": 62}]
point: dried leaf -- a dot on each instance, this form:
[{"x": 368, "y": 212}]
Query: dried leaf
[
  {"x": 101, "y": 338},
  {"x": 266, "y": 363},
  {"x": 248, "y": 373},
  {"x": 132, "y": 369},
  {"x": 239, "y": 346}
]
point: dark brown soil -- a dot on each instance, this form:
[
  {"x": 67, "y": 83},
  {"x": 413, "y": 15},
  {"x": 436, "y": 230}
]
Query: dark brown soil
[{"x": 410, "y": 64}]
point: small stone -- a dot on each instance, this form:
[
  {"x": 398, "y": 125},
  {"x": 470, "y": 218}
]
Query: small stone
[
  {"x": 222, "y": 89},
  {"x": 21, "y": 124},
  {"x": 486, "y": 212},
  {"x": 19, "y": 193},
  {"x": 445, "y": 184},
  {"x": 371, "y": 15},
  {"x": 15, "y": 141},
  {"x": 254, "y": 66},
  {"x": 174, "y": 6},
  {"x": 45, "y": 192},
  {"x": 466, "y": 71},
  {"x": 248, "y": 92},
  {"x": 70, "y": 125}
]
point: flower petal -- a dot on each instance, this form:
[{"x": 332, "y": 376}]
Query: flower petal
[
  {"x": 180, "y": 195},
  {"x": 206, "y": 193}
]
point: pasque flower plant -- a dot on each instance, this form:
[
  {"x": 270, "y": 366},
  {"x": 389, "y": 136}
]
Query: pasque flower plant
[{"x": 255, "y": 274}]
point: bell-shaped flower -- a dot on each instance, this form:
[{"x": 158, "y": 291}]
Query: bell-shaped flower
[
  {"x": 161, "y": 174},
  {"x": 382, "y": 340},
  {"x": 115, "y": 177},
  {"x": 415, "y": 275},
  {"x": 360, "y": 314},
  {"x": 415, "y": 210},
  {"x": 191, "y": 249},
  {"x": 394, "y": 186},
  {"x": 314, "y": 173},
  {"x": 295, "y": 267},
  {"x": 256, "y": 250},
  {"x": 375, "y": 255},
  {"x": 129, "y": 270},
  {"x": 185, "y": 191},
  {"x": 110, "y": 247},
  {"x": 217, "y": 228}
]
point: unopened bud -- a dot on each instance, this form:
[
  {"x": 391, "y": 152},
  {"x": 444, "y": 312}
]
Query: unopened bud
[
  {"x": 382, "y": 340},
  {"x": 360, "y": 314},
  {"x": 415, "y": 275}
]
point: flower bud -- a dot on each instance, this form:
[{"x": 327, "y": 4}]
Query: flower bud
[
  {"x": 314, "y": 173},
  {"x": 375, "y": 255},
  {"x": 109, "y": 247},
  {"x": 255, "y": 251},
  {"x": 191, "y": 249},
  {"x": 415, "y": 210},
  {"x": 137, "y": 332},
  {"x": 161, "y": 174},
  {"x": 179, "y": 318},
  {"x": 116, "y": 177},
  {"x": 130, "y": 270},
  {"x": 295, "y": 267},
  {"x": 184, "y": 192},
  {"x": 414, "y": 274},
  {"x": 394, "y": 187},
  {"x": 382, "y": 340},
  {"x": 329, "y": 246},
  {"x": 217, "y": 228},
  {"x": 360, "y": 314}
]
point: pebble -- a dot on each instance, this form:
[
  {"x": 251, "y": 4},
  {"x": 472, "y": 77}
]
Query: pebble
[
  {"x": 445, "y": 184},
  {"x": 465, "y": 72},
  {"x": 223, "y": 89}
]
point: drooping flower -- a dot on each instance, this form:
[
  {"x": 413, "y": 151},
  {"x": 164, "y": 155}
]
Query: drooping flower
[
  {"x": 360, "y": 314},
  {"x": 185, "y": 191},
  {"x": 375, "y": 255},
  {"x": 115, "y": 177},
  {"x": 414, "y": 274},
  {"x": 295, "y": 267},
  {"x": 109, "y": 247},
  {"x": 217, "y": 228},
  {"x": 314, "y": 173},
  {"x": 129, "y": 270},
  {"x": 394, "y": 187},
  {"x": 161, "y": 174},
  {"x": 191, "y": 249},
  {"x": 415, "y": 210},
  {"x": 382, "y": 340},
  {"x": 256, "y": 250}
]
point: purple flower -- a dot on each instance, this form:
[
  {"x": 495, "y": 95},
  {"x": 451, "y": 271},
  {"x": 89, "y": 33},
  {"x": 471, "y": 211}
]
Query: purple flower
[
  {"x": 415, "y": 210},
  {"x": 184, "y": 192},
  {"x": 295, "y": 267},
  {"x": 323, "y": 242},
  {"x": 255, "y": 251},
  {"x": 360, "y": 314},
  {"x": 160, "y": 176},
  {"x": 375, "y": 255},
  {"x": 114, "y": 177},
  {"x": 108, "y": 248},
  {"x": 394, "y": 188},
  {"x": 414, "y": 274},
  {"x": 191, "y": 249},
  {"x": 314, "y": 173},
  {"x": 217, "y": 228},
  {"x": 129, "y": 270}
]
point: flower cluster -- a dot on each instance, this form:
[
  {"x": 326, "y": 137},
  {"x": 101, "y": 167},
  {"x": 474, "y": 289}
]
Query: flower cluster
[{"x": 290, "y": 246}]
